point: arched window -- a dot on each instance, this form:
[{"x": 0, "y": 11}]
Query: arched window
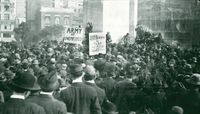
[
  {"x": 57, "y": 20},
  {"x": 47, "y": 20},
  {"x": 66, "y": 20}
]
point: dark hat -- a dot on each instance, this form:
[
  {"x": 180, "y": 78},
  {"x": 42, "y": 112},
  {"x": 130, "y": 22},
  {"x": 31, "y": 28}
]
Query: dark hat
[
  {"x": 99, "y": 64},
  {"x": 26, "y": 81},
  {"x": 109, "y": 108},
  {"x": 25, "y": 65},
  {"x": 194, "y": 79},
  {"x": 49, "y": 82},
  {"x": 74, "y": 68},
  {"x": 130, "y": 73},
  {"x": 78, "y": 61}
]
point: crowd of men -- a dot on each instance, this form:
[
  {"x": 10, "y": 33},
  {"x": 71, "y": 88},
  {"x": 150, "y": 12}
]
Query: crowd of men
[{"x": 52, "y": 78}]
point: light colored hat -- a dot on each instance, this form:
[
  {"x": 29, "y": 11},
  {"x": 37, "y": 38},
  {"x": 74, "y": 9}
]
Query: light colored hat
[
  {"x": 53, "y": 60},
  {"x": 177, "y": 109},
  {"x": 194, "y": 79},
  {"x": 64, "y": 66},
  {"x": 35, "y": 62}
]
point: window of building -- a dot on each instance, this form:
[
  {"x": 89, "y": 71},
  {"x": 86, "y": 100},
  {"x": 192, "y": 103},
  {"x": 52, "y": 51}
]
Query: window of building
[
  {"x": 7, "y": 35},
  {"x": 7, "y": 27},
  {"x": 66, "y": 21},
  {"x": 74, "y": 10},
  {"x": 57, "y": 20},
  {"x": 6, "y": 16},
  {"x": 47, "y": 20},
  {"x": 79, "y": 10},
  {"x": 6, "y": 7}
]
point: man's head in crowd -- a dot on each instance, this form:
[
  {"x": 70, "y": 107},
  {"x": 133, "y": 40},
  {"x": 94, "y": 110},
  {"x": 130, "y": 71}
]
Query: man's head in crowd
[{"x": 76, "y": 71}]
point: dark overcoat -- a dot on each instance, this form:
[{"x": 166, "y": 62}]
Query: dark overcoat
[
  {"x": 81, "y": 99},
  {"x": 100, "y": 93},
  {"x": 119, "y": 92},
  {"x": 190, "y": 102},
  {"x": 108, "y": 85},
  {"x": 50, "y": 104},
  {"x": 19, "y": 106}
]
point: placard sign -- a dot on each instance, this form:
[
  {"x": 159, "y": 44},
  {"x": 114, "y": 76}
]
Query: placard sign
[
  {"x": 73, "y": 35},
  {"x": 97, "y": 43}
]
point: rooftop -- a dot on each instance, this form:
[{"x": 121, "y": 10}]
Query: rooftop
[{"x": 48, "y": 9}]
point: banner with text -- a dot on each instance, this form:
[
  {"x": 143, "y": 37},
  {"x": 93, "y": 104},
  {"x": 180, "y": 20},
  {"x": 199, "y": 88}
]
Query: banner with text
[
  {"x": 97, "y": 43},
  {"x": 73, "y": 35}
]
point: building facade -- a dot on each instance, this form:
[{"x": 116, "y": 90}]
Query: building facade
[
  {"x": 34, "y": 8},
  {"x": 7, "y": 20},
  {"x": 93, "y": 12},
  {"x": 20, "y": 11},
  {"x": 77, "y": 7},
  {"x": 51, "y": 16},
  {"x": 172, "y": 18}
]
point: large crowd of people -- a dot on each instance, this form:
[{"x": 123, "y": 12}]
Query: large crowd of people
[{"x": 57, "y": 78}]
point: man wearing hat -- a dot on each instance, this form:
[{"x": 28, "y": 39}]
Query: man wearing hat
[
  {"x": 121, "y": 88},
  {"x": 21, "y": 85},
  {"x": 89, "y": 77},
  {"x": 79, "y": 97},
  {"x": 48, "y": 84},
  {"x": 35, "y": 67},
  {"x": 190, "y": 101}
]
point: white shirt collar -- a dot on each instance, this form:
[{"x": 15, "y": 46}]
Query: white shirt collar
[
  {"x": 17, "y": 97},
  {"x": 78, "y": 80},
  {"x": 46, "y": 93},
  {"x": 91, "y": 81}
]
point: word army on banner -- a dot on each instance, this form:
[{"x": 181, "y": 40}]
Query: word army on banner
[
  {"x": 73, "y": 35},
  {"x": 97, "y": 43}
]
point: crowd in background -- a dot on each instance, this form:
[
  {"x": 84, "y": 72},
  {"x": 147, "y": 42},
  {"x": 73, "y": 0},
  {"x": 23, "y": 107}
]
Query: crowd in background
[{"x": 56, "y": 78}]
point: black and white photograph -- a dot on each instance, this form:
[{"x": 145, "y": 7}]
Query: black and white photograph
[{"x": 99, "y": 56}]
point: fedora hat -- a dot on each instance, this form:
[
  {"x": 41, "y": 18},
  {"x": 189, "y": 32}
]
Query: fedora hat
[
  {"x": 109, "y": 108},
  {"x": 26, "y": 81},
  {"x": 99, "y": 64},
  {"x": 74, "y": 68},
  {"x": 194, "y": 79},
  {"x": 35, "y": 62},
  {"x": 49, "y": 82}
]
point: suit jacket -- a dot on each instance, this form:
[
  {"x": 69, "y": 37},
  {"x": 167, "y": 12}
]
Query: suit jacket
[
  {"x": 156, "y": 102},
  {"x": 81, "y": 99},
  {"x": 121, "y": 88},
  {"x": 190, "y": 102},
  {"x": 19, "y": 106},
  {"x": 108, "y": 85},
  {"x": 50, "y": 104},
  {"x": 100, "y": 92}
]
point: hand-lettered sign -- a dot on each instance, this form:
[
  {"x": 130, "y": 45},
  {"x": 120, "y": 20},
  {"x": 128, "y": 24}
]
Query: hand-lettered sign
[
  {"x": 73, "y": 35},
  {"x": 97, "y": 43}
]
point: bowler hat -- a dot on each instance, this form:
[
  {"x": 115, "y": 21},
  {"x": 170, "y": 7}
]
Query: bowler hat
[
  {"x": 74, "y": 68},
  {"x": 26, "y": 81},
  {"x": 109, "y": 108},
  {"x": 176, "y": 110},
  {"x": 35, "y": 62},
  {"x": 52, "y": 60},
  {"x": 49, "y": 82},
  {"x": 194, "y": 79},
  {"x": 25, "y": 65}
]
